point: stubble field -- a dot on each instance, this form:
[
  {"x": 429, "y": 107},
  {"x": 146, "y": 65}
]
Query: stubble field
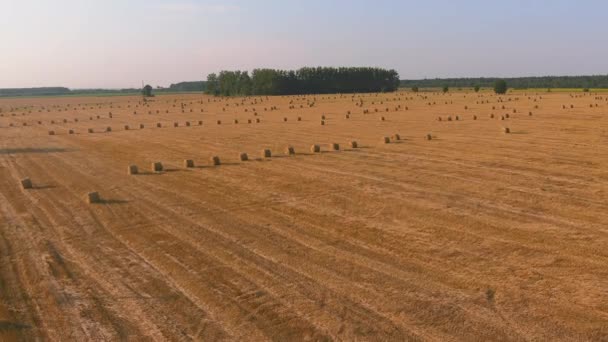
[{"x": 476, "y": 234}]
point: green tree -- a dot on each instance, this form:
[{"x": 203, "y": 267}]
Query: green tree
[
  {"x": 415, "y": 89},
  {"x": 445, "y": 88},
  {"x": 147, "y": 91},
  {"x": 500, "y": 87},
  {"x": 585, "y": 90},
  {"x": 212, "y": 87},
  {"x": 476, "y": 88}
]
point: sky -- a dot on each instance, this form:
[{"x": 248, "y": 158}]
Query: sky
[{"x": 120, "y": 43}]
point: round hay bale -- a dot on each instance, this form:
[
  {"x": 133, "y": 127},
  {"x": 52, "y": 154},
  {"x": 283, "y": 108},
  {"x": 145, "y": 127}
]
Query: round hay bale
[
  {"x": 236, "y": 121},
  {"x": 188, "y": 163},
  {"x": 449, "y": 118},
  {"x": 175, "y": 124},
  {"x": 108, "y": 129},
  {"x": 382, "y": 118},
  {"x": 257, "y": 120},
  {"x": 347, "y": 116},
  {"x": 157, "y": 167},
  {"x": 71, "y": 131},
  {"x": 200, "y": 122},
  {"x": 132, "y": 170},
  {"x": 26, "y": 183},
  {"x": 396, "y": 137},
  {"x": 353, "y": 144},
  {"x": 506, "y": 130},
  {"x": 159, "y": 125},
  {"x": 457, "y": 118},
  {"x": 51, "y": 132},
  {"x": 323, "y": 117},
  {"x": 315, "y": 148},
  {"x": 243, "y": 156},
  {"x": 187, "y": 123},
  {"x": 492, "y": 116},
  {"x": 386, "y": 140},
  {"x": 215, "y": 160},
  {"x": 429, "y": 137},
  {"x": 439, "y": 118},
  {"x": 266, "y": 153},
  {"x": 141, "y": 126},
  {"x": 529, "y": 113},
  {"x": 335, "y": 146},
  {"x": 126, "y": 127},
  {"x": 92, "y": 197},
  {"x": 284, "y": 119},
  {"x": 90, "y": 130},
  {"x": 289, "y": 150},
  {"x": 474, "y": 117},
  {"x": 507, "y": 115},
  {"x": 299, "y": 118},
  {"x": 219, "y": 122}
]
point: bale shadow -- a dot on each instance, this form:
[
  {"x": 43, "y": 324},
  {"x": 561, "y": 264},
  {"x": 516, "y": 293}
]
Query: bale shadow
[
  {"x": 33, "y": 150},
  {"x": 43, "y": 187},
  {"x": 112, "y": 201}
]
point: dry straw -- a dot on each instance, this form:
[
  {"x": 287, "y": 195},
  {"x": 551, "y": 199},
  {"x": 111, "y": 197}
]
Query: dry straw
[
  {"x": 92, "y": 197},
  {"x": 157, "y": 167},
  {"x": 132, "y": 170},
  {"x": 26, "y": 183}
]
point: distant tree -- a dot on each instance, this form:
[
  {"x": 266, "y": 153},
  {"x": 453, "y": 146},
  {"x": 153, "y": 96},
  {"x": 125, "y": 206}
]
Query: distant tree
[
  {"x": 500, "y": 87},
  {"x": 476, "y": 88},
  {"x": 585, "y": 90},
  {"x": 415, "y": 89},
  {"x": 445, "y": 89},
  {"x": 212, "y": 87},
  {"x": 147, "y": 91}
]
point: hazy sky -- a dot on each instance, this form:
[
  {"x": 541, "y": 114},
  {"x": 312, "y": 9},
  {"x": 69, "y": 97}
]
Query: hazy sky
[{"x": 119, "y": 43}]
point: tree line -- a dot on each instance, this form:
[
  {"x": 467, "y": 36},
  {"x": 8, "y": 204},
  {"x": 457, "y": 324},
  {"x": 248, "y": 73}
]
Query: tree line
[
  {"x": 320, "y": 80},
  {"x": 598, "y": 81}
]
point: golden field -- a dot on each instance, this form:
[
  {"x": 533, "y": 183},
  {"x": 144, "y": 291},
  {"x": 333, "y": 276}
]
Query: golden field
[{"x": 474, "y": 235}]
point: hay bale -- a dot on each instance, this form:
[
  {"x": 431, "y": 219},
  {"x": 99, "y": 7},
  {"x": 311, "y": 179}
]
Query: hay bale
[
  {"x": 157, "y": 167},
  {"x": 26, "y": 183},
  {"x": 266, "y": 153},
  {"x": 284, "y": 119},
  {"x": 219, "y": 122},
  {"x": 215, "y": 160},
  {"x": 126, "y": 127},
  {"x": 175, "y": 124},
  {"x": 382, "y": 118},
  {"x": 507, "y": 115},
  {"x": 188, "y": 163},
  {"x": 457, "y": 118},
  {"x": 322, "y": 122},
  {"x": 315, "y": 148},
  {"x": 200, "y": 122},
  {"x": 289, "y": 150},
  {"x": 141, "y": 126},
  {"x": 347, "y": 116},
  {"x": 236, "y": 121},
  {"x": 439, "y": 118},
  {"x": 386, "y": 140},
  {"x": 335, "y": 146},
  {"x": 506, "y": 130},
  {"x": 71, "y": 131},
  {"x": 51, "y": 132},
  {"x": 429, "y": 137},
  {"x": 299, "y": 118},
  {"x": 243, "y": 156},
  {"x": 159, "y": 125},
  {"x": 323, "y": 117},
  {"x": 396, "y": 137},
  {"x": 492, "y": 116},
  {"x": 353, "y": 144},
  {"x": 132, "y": 170},
  {"x": 529, "y": 113},
  {"x": 474, "y": 117},
  {"x": 108, "y": 129},
  {"x": 187, "y": 123},
  {"x": 92, "y": 197},
  {"x": 449, "y": 118},
  {"x": 90, "y": 130}
]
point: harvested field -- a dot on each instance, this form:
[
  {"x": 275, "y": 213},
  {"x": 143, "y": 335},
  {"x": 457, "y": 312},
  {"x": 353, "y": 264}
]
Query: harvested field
[{"x": 475, "y": 235}]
